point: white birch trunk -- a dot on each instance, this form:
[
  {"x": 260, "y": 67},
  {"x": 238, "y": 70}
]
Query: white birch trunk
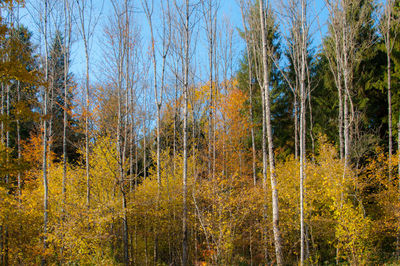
[{"x": 271, "y": 156}]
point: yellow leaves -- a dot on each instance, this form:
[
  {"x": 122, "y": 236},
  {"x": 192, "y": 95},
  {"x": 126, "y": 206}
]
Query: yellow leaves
[
  {"x": 330, "y": 208},
  {"x": 84, "y": 233},
  {"x": 353, "y": 234}
]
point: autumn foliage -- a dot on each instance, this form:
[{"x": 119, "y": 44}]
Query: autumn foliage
[{"x": 351, "y": 203}]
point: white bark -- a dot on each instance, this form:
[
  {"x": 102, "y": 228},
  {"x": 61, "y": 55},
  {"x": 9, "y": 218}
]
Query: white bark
[
  {"x": 87, "y": 24},
  {"x": 45, "y": 182},
  {"x": 271, "y": 156},
  {"x": 185, "y": 133},
  {"x": 303, "y": 38},
  {"x": 389, "y": 43}
]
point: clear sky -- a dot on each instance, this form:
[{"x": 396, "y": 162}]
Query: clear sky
[{"x": 229, "y": 10}]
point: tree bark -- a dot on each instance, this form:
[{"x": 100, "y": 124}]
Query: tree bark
[
  {"x": 185, "y": 132},
  {"x": 45, "y": 199},
  {"x": 271, "y": 156},
  {"x": 250, "y": 69},
  {"x": 303, "y": 57},
  {"x": 389, "y": 76},
  {"x": 85, "y": 32}
]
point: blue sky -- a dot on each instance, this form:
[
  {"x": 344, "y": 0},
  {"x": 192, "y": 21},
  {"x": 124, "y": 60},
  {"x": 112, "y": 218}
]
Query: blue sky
[{"x": 228, "y": 9}]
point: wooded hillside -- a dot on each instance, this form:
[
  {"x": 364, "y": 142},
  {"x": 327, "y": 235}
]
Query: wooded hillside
[{"x": 177, "y": 146}]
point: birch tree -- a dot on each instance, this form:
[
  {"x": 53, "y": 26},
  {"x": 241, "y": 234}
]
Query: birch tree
[
  {"x": 158, "y": 86},
  {"x": 347, "y": 20},
  {"x": 210, "y": 12},
  {"x": 184, "y": 12},
  {"x": 186, "y": 32},
  {"x": 387, "y": 25},
  {"x": 271, "y": 157},
  {"x": 66, "y": 51},
  {"x": 86, "y": 24},
  {"x": 45, "y": 181},
  {"x": 296, "y": 15},
  {"x": 41, "y": 20}
]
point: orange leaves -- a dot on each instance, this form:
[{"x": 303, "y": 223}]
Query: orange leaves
[{"x": 10, "y": 3}]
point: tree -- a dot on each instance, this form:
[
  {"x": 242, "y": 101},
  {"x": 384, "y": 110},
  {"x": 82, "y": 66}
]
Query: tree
[
  {"x": 159, "y": 87},
  {"x": 62, "y": 94},
  {"x": 298, "y": 51},
  {"x": 45, "y": 180},
  {"x": 66, "y": 55},
  {"x": 19, "y": 79},
  {"x": 265, "y": 88},
  {"x": 388, "y": 26},
  {"x": 185, "y": 26},
  {"x": 250, "y": 62},
  {"x": 87, "y": 23},
  {"x": 351, "y": 34},
  {"x": 186, "y": 30}
]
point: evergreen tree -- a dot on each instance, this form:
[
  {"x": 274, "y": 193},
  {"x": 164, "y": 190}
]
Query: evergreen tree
[{"x": 56, "y": 101}]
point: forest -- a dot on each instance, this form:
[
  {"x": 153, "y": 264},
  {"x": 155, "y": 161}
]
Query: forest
[{"x": 189, "y": 140}]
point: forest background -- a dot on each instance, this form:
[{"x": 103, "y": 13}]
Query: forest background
[{"x": 171, "y": 132}]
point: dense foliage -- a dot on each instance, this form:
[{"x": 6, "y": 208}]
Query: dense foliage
[{"x": 351, "y": 209}]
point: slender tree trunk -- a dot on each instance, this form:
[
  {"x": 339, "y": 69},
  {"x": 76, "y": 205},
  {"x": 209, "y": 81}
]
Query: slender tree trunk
[
  {"x": 194, "y": 174},
  {"x": 6, "y": 247},
  {"x": 8, "y": 130},
  {"x": 209, "y": 21},
  {"x": 341, "y": 112},
  {"x": 175, "y": 117},
  {"x": 121, "y": 152},
  {"x": 67, "y": 36},
  {"x": 87, "y": 138},
  {"x": 346, "y": 97},
  {"x": 264, "y": 157},
  {"x": 253, "y": 142},
  {"x": 65, "y": 49},
  {"x": 85, "y": 33},
  {"x": 135, "y": 137},
  {"x": 302, "y": 166},
  {"x": 250, "y": 73},
  {"x": 158, "y": 147},
  {"x": 389, "y": 76},
  {"x": 311, "y": 128},
  {"x": 45, "y": 199},
  {"x": 144, "y": 136},
  {"x": 136, "y": 158},
  {"x": 346, "y": 130},
  {"x": 275, "y": 207},
  {"x": 398, "y": 135},
  {"x": 132, "y": 142},
  {"x": 2, "y": 113},
  {"x": 1, "y": 245},
  {"x": 303, "y": 93},
  {"x": 19, "y": 144},
  {"x": 296, "y": 125},
  {"x": 158, "y": 180},
  {"x": 158, "y": 95},
  {"x": 250, "y": 247},
  {"x": 86, "y": 28},
  {"x": 185, "y": 132},
  {"x": 66, "y": 66},
  {"x": 50, "y": 111},
  {"x": 215, "y": 92},
  {"x": 265, "y": 171},
  {"x": 125, "y": 223}
]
